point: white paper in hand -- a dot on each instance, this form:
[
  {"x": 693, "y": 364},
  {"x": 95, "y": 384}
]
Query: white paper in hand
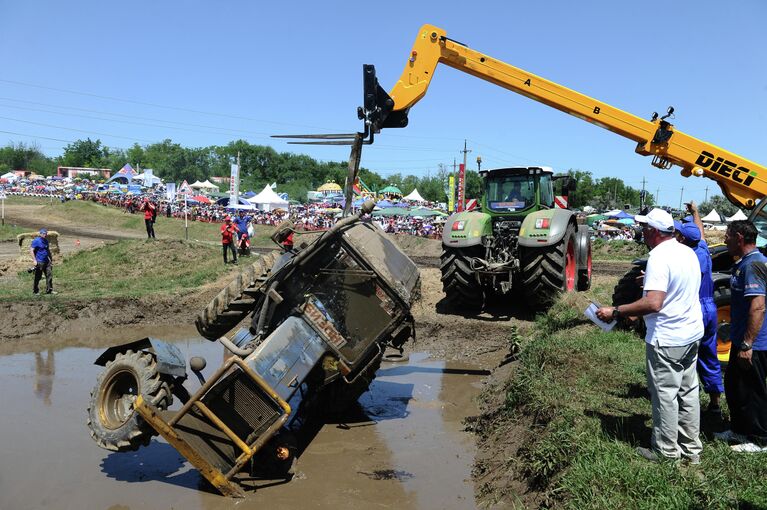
[{"x": 591, "y": 313}]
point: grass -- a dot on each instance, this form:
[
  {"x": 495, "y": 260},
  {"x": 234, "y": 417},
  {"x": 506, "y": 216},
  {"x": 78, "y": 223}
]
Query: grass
[
  {"x": 617, "y": 250},
  {"x": 94, "y": 215},
  {"x": 585, "y": 393},
  {"x": 9, "y": 232},
  {"x": 126, "y": 269}
]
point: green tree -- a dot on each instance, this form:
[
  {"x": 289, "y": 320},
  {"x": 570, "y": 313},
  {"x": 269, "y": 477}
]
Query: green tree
[
  {"x": 85, "y": 153},
  {"x": 723, "y": 206}
]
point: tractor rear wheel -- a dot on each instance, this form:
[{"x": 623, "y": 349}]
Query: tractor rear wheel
[
  {"x": 628, "y": 290},
  {"x": 112, "y": 420},
  {"x": 235, "y": 301},
  {"x": 459, "y": 281},
  {"x": 550, "y": 270}
]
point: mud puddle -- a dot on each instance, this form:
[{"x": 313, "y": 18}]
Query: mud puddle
[{"x": 403, "y": 448}]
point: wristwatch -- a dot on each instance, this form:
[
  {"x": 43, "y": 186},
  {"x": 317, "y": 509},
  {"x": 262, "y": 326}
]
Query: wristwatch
[
  {"x": 616, "y": 313},
  {"x": 745, "y": 346}
]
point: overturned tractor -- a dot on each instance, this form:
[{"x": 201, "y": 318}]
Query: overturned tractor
[{"x": 317, "y": 323}]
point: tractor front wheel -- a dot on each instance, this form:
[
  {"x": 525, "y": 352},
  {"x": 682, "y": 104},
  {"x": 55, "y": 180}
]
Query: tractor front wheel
[
  {"x": 550, "y": 270},
  {"x": 112, "y": 420},
  {"x": 459, "y": 281}
]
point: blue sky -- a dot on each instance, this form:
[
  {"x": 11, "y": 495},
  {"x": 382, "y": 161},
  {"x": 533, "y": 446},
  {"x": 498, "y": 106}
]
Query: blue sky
[{"x": 204, "y": 73}]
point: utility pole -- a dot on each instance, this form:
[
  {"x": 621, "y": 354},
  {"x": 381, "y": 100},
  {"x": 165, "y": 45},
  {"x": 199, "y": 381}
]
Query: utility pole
[
  {"x": 657, "y": 197},
  {"x": 641, "y": 195},
  {"x": 680, "y": 198},
  {"x": 462, "y": 192},
  {"x": 706, "y": 196}
]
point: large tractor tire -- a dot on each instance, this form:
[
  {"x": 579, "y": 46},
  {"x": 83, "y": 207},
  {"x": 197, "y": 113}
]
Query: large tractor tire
[
  {"x": 235, "y": 301},
  {"x": 550, "y": 270},
  {"x": 112, "y": 421},
  {"x": 459, "y": 282},
  {"x": 628, "y": 290},
  {"x": 722, "y": 302}
]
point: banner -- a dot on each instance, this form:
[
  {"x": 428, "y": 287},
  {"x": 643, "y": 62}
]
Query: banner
[
  {"x": 234, "y": 185},
  {"x": 170, "y": 191},
  {"x": 461, "y": 187},
  {"x": 451, "y": 194}
]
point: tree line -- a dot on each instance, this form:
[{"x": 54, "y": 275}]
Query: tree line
[{"x": 295, "y": 174}]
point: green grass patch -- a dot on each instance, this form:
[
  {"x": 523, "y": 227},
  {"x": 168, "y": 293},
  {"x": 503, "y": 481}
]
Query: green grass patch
[
  {"x": 9, "y": 232},
  {"x": 585, "y": 393},
  {"x": 617, "y": 250},
  {"x": 127, "y": 269}
]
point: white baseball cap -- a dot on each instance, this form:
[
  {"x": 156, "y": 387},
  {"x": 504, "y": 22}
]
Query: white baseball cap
[{"x": 657, "y": 219}]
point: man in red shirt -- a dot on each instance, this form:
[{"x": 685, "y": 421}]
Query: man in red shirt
[
  {"x": 149, "y": 215},
  {"x": 228, "y": 235}
]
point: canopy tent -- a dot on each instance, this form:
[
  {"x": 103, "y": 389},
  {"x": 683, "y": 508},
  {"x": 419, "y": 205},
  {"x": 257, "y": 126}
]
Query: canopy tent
[
  {"x": 391, "y": 211},
  {"x": 242, "y": 207},
  {"x": 712, "y": 217},
  {"x": 384, "y": 204},
  {"x": 201, "y": 199},
  {"x": 124, "y": 176},
  {"x": 208, "y": 185},
  {"x": 612, "y": 213},
  {"x": 268, "y": 200},
  {"x": 621, "y": 215},
  {"x": 425, "y": 213},
  {"x": 9, "y": 176},
  {"x": 593, "y": 218},
  {"x": 225, "y": 201},
  {"x": 197, "y": 185},
  {"x": 738, "y": 216},
  {"x": 147, "y": 179},
  {"x": 414, "y": 196}
]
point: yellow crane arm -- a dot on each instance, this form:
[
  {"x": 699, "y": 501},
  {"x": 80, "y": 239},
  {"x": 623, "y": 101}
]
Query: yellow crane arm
[{"x": 742, "y": 181}]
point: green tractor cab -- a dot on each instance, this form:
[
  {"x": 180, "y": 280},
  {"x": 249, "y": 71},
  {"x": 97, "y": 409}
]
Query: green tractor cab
[{"x": 518, "y": 242}]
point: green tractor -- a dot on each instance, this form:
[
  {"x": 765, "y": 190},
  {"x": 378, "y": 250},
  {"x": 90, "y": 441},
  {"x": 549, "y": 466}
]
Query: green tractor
[{"x": 518, "y": 242}]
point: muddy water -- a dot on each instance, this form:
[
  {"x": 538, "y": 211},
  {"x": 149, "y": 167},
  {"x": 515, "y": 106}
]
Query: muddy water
[{"x": 404, "y": 449}]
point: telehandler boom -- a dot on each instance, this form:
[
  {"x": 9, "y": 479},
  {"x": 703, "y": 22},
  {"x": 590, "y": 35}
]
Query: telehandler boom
[{"x": 742, "y": 181}]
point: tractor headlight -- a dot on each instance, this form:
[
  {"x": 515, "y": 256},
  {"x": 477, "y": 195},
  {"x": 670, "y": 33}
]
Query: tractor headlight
[
  {"x": 459, "y": 225},
  {"x": 541, "y": 223}
]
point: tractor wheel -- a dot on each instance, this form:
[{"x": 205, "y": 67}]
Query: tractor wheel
[
  {"x": 235, "y": 301},
  {"x": 112, "y": 421},
  {"x": 459, "y": 281},
  {"x": 722, "y": 301},
  {"x": 584, "y": 273},
  {"x": 549, "y": 270},
  {"x": 628, "y": 290}
]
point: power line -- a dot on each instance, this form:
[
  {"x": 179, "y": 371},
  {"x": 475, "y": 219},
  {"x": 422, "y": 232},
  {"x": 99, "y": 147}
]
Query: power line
[{"x": 74, "y": 129}]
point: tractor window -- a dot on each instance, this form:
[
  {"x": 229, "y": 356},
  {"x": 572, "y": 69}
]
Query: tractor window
[
  {"x": 511, "y": 192},
  {"x": 547, "y": 191}
]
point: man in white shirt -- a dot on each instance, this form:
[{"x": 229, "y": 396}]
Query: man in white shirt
[{"x": 674, "y": 321}]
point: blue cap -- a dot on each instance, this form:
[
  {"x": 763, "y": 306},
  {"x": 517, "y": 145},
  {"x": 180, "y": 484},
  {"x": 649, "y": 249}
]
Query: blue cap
[
  {"x": 688, "y": 219},
  {"x": 677, "y": 225},
  {"x": 42, "y": 231},
  {"x": 690, "y": 231}
]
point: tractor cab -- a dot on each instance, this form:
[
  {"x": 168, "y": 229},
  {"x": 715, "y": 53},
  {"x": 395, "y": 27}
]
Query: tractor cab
[{"x": 518, "y": 189}]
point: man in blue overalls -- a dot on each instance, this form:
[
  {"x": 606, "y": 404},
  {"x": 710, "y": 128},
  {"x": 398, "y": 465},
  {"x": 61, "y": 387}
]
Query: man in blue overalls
[
  {"x": 43, "y": 262},
  {"x": 709, "y": 369}
]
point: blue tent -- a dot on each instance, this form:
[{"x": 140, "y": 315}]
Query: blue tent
[
  {"x": 225, "y": 201},
  {"x": 249, "y": 194},
  {"x": 622, "y": 215},
  {"x": 383, "y": 204}
]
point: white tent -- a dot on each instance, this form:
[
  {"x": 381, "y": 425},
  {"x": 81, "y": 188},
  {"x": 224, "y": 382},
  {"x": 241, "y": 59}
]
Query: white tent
[
  {"x": 737, "y": 216},
  {"x": 10, "y": 176},
  {"x": 208, "y": 185},
  {"x": 414, "y": 196},
  {"x": 268, "y": 200},
  {"x": 197, "y": 185},
  {"x": 712, "y": 217}
]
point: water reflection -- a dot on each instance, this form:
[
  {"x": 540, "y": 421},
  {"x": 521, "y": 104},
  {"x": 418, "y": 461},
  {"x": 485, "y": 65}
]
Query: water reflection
[{"x": 45, "y": 369}]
